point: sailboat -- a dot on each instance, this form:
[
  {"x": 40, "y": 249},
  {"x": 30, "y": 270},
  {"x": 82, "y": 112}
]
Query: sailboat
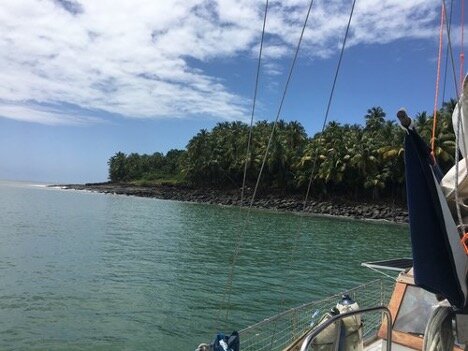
[{"x": 428, "y": 308}]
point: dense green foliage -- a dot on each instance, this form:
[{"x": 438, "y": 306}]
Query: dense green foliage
[
  {"x": 132, "y": 167},
  {"x": 351, "y": 160}
]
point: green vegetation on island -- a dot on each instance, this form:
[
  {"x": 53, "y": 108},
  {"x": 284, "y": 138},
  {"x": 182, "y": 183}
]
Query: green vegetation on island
[{"x": 356, "y": 161}]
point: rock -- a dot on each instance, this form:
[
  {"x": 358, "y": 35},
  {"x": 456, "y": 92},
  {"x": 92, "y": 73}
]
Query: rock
[{"x": 270, "y": 201}]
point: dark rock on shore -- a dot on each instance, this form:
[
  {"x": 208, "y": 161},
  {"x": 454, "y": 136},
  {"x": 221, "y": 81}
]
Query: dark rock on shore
[{"x": 337, "y": 207}]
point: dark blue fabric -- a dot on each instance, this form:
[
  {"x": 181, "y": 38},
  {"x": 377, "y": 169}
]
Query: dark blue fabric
[
  {"x": 434, "y": 266},
  {"x": 232, "y": 342}
]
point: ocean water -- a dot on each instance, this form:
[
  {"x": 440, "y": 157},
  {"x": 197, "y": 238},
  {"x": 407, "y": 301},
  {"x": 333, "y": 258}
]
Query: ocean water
[{"x": 88, "y": 271}]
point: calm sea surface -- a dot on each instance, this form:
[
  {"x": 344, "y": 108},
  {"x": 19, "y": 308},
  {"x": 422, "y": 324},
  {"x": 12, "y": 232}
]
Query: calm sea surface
[{"x": 86, "y": 271}]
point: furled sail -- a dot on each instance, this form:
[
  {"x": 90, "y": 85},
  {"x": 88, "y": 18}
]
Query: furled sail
[
  {"x": 455, "y": 182},
  {"x": 440, "y": 262}
]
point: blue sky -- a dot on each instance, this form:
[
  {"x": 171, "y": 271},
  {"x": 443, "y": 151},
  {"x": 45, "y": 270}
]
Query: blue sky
[{"x": 83, "y": 79}]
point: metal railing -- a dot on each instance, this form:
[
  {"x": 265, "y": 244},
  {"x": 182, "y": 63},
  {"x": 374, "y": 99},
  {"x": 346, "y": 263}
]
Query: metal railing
[
  {"x": 279, "y": 331},
  {"x": 316, "y": 331}
]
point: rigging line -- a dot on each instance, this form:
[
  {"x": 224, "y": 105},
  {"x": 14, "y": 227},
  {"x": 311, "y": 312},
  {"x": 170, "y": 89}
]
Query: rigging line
[
  {"x": 457, "y": 198},
  {"x": 281, "y": 104},
  {"x": 459, "y": 122},
  {"x": 462, "y": 53},
  {"x": 445, "y": 75},
  {"x": 298, "y": 232},
  {"x": 436, "y": 97},
  {"x": 254, "y": 103},
  {"x": 449, "y": 43},
  {"x": 314, "y": 164},
  {"x": 394, "y": 279},
  {"x": 237, "y": 249},
  {"x": 447, "y": 54}
]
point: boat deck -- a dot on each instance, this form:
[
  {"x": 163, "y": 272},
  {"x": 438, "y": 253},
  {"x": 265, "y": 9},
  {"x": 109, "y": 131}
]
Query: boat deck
[{"x": 380, "y": 345}]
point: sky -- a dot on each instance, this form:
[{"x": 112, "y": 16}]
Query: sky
[{"x": 83, "y": 79}]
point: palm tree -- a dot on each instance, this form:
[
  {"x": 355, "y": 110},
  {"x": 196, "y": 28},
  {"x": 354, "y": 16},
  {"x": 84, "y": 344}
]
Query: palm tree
[
  {"x": 117, "y": 167},
  {"x": 424, "y": 125},
  {"x": 375, "y": 118},
  {"x": 448, "y": 107},
  {"x": 392, "y": 157},
  {"x": 173, "y": 161},
  {"x": 199, "y": 158}
]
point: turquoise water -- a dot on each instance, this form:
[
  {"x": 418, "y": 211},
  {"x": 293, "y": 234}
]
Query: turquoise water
[{"x": 87, "y": 271}]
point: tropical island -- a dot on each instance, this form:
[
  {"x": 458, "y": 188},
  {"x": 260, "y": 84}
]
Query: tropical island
[{"x": 353, "y": 170}]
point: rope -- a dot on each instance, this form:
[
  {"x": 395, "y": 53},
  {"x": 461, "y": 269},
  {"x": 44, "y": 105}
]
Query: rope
[
  {"x": 254, "y": 103},
  {"x": 462, "y": 53},
  {"x": 297, "y": 235},
  {"x": 457, "y": 198},
  {"x": 459, "y": 125},
  {"x": 436, "y": 98},
  {"x": 228, "y": 289},
  {"x": 447, "y": 52},
  {"x": 281, "y": 104},
  {"x": 314, "y": 164},
  {"x": 393, "y": 279},
  {"x": 449, "y": 45},
  {"x": 438, "y": 335}
]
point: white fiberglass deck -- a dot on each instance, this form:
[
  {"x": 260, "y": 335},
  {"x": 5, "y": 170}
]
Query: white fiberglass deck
[{"x": 380, "y": 345}]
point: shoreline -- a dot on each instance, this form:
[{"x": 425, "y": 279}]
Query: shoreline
[{"x": 274, "y": 202}]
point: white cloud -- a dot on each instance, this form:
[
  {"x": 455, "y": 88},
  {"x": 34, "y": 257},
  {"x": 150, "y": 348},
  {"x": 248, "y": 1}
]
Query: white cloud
[
  {"x": 44, "y": 115},
  {"x": 132, "y": 58}
]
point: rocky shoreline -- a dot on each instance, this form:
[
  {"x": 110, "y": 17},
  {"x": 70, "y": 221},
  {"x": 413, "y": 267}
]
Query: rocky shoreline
[{"x": 288, "y": 203}]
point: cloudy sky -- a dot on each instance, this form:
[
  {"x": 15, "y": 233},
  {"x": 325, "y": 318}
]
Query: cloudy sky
[{"x": 83, "y": 79}]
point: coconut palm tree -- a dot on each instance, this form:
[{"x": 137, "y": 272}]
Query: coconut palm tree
[
  {"x": 375, "y": 119},
  {"x": 199, "y": 158},
  {"x": 117, "y": 167}
]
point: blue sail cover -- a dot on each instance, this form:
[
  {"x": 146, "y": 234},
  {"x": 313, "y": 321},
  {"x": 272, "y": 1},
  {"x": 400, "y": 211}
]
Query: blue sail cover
[{"x": 439, "y": 260}]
